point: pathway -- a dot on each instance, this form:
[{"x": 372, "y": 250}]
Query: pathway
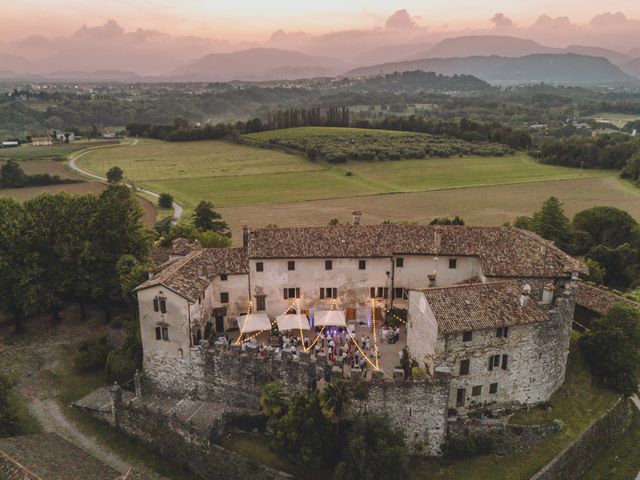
[{"x": 177, "y": 208}]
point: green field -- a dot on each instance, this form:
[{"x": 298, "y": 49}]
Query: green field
[
  {"x": 53, "y": 152},
  {"x": 233, "y": 175}
]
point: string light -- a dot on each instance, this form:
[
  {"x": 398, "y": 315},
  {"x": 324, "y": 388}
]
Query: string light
[{"x": 373, "y": 320}]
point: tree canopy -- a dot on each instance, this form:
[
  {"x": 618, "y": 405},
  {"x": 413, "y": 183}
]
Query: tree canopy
[
  {"x": 115, "y": 174},
  {"x": 206, "y": 218}
]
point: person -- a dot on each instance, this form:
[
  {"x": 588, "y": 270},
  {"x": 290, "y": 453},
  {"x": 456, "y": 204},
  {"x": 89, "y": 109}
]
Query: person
[
  {"x": 362, "y": 340},
  {"x": 396, "y": 334},
  {"x": 294, "y": 351},
  {"x": 244, "y": 347}
]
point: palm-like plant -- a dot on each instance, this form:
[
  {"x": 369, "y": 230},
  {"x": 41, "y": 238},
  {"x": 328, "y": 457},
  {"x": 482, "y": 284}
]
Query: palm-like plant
[
  {"x": 273, "y": 400},
  {"x": 336, "y": 401}
]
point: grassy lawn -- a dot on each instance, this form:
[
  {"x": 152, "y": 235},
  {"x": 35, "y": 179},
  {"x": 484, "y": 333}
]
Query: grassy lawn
[
  {"x": 269, "y": 189},
  {"x": 444, "y": 173},
  {"x": 621, "y": 461},
  {"x": 577, "y": 403},
  {"x": 153, "y": 160}
]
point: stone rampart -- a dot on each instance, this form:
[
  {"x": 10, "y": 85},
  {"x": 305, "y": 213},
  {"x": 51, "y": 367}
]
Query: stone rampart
[{"x": 572, "y": 462}]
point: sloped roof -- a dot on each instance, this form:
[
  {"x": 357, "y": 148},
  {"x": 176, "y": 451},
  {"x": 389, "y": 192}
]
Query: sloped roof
[
  {"x": 598, "y": 299},
  {"x": 480, "y": 306},
  {"x": 503, "y": 251},
  {"x": 191, "y": 275}
]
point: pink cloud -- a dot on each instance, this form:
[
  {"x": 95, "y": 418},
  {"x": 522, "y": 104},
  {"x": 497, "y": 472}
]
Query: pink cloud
[{"x": 499, "y": 20}]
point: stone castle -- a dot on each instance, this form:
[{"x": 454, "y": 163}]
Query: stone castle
[{"x": 489, "y": 318}]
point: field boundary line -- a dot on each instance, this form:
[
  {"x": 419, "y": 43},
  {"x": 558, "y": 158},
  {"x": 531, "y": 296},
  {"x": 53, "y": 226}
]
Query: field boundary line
[{"x": 71, "y": 163}]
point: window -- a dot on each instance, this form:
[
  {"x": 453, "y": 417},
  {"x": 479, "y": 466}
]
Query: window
[
  {"x": 291, "y": 293},
  {"x": 493, "y": 388},
  {"x": 362, "y": 264},
  {"x": 399, "y": 292},
  {"x": 162, "y": 333},
  {"x": 223, "y": 277},
  {"x": 467, "y": 336},
  {"x": 328, "y": 265},
  {"x": 432, "y": 280},
  {"x": 399, "y": 262},
  {"x": 291, "y": 265},
  {"x": 453, "y": 263},
  {"x": 328, "y": 292},
  {"x": 261, "y": 303},
  {"x": 224, "y": 297},
  {"x": 505, "y": 360},
  {"x": 476, "y": 391},
  {"x": 502, "y": 332},
  {"x": 464, "y": 367},
  {"x": 259, "y": 267},
  {"x": 494, "y": 361},
  {"x": 160, "y": 304},
  {"x": 379, "y": 292},
  {"x": 460, "y": 397}
]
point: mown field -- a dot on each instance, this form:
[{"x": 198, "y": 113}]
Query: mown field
[
  {"x": 54, "y": 152},
  {"x": 232, "y": 175}
]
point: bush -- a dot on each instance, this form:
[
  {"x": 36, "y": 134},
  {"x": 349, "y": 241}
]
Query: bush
[
  {"x": 165, "y": 200},
  {"x": 92, "y": 355},
  {"x": 470, "y": 446},
  {"x": 122, "y": 363},
  {"x": 248, "y": 423}
]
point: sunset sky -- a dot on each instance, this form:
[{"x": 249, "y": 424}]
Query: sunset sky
[{"x": 256, "y": 19}]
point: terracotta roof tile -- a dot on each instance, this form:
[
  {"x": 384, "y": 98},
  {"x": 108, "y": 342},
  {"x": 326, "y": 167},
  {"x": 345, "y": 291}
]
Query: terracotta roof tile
[
  {"x": 598, "y": 299},
  {"x": 480, "y": 306},
  {"x": 503, "y": 251}
]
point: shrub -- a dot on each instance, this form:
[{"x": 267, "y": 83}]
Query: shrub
[
  {"x": 122, "y": 363},
  {"x": 165, "y": 200},
  {"x": 469, "y": 446},
  {"x": 92, "y": 355}
]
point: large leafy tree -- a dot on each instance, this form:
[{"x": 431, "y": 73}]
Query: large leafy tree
[
  {"x": 206, "y": 218},
  {"x": 375, "y": 450},
  {"x": 115, "y": 175},
  {"x": 620, "y": 264},
  {"x": 612, "y": 348},
  {"x": 607, "y": 226},
  {"x": 19, "y": 267}
]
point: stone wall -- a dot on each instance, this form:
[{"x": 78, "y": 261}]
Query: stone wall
[
  {"x": 580, "y": 455},
  {"x": 418, "y": 407},
  {"x": 10, "y": 469},
  {"x": 185, "y": 445},
  {"x": 507, "y": 438}
]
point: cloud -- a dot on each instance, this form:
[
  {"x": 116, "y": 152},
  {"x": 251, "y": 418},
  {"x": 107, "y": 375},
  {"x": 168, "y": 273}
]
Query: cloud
[
  {"x": 110, "y": 30},
  {"x": 545, "y": 21},
  {"x": 400, "y": 20},
  {"x": 499, "y": 20},
  {"x": 609, "y": 19}
]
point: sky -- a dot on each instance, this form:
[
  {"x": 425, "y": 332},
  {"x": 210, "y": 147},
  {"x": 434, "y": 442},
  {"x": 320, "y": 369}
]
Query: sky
[{"x": 255, "y": 20}]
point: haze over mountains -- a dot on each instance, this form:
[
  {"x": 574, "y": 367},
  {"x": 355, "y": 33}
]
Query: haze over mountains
[{"x": 109, "y": 53}]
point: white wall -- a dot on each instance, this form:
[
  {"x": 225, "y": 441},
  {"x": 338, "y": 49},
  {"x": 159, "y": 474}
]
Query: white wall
[
  {"x": 310, "y": 275},
  {"x": 422, "y": 331}
]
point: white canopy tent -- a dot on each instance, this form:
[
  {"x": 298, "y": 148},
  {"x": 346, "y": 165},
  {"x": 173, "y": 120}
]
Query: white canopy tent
[
  {"x": 254, "y": 322},
  {"x": 329, "y": 318},
  {"x": 293, "y": 321}
]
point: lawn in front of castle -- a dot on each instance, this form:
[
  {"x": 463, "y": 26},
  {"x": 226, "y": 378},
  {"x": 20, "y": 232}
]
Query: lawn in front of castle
[{"x": 577, "y": 403}]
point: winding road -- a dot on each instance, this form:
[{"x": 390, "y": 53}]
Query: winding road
[{"x": 177, "y": 208}]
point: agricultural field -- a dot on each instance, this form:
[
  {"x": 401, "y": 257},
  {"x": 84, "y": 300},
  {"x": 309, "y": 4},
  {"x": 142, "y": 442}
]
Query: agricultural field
[
  {"x": 52, "y": 167},
  {"x": 53, "y": 152},
  {"x": 340, "y": 145},
  {"x": 617, "y": 119},
  {"x": 235, "y": 175}
]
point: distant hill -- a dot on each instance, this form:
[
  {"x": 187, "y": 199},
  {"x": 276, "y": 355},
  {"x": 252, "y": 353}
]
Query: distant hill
[
  {"x": 632, "y": 67},
  {"x": 566, "y": 69},
  {"x": 391, "y": 53},
  {"x": 100, "y": 75},
  {"x": 424, "y": 81},
  {"x": 259, "y": 64},
  {"x": 614, "y": 57},
  {"x": 484, "y": 45},
  {"x": 14, "y": 63}
]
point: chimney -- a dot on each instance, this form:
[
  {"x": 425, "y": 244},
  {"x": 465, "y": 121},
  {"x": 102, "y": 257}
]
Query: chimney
[
  {"x": 245, "y": 236},
  {"x": 524, "y": 294},
  {"x": 150, "y": 275},
  {"x": 547, "y": 293},
  {"x": 357, "y": 215},
  {"x": 200, "y": 271}
]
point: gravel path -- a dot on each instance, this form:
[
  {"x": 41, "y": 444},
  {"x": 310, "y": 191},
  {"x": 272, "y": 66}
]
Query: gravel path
[
  {"x": 177, "y": 208},
  {"x": 40, "y": 356}
]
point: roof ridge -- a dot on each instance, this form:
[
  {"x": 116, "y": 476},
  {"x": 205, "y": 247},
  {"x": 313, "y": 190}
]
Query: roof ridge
[{"x": 467, "y": 285}]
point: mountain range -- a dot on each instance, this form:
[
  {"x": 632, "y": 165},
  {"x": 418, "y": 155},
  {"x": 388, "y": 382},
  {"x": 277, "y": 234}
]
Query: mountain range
[{"x": 493, "y": 58}]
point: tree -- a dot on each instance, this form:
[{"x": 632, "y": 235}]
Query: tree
[
  {"x": 375, "y": 450},
  {"x": 447, "y": 221},
  {"x": 115, "y": 175},
  {"x": 523, "y": 222},
  {"x": 336, "y": 401},
  {"x": 612, "y": 348},
  {"x": 551, "y": 223},
  {"x": 596, "y": 272},
  {"x": 273, "y": 401},
  {"x": 208, "y": 239},
  {"x": 632, "y": 168},
  {"x": 607, "y": 226},
  {"x": 618, "y": 264},
  {"x": 206, "y": 218},
  {"x": 165, "y": 200},
  {"x": 12, "y": 175},
  {"x": 303, "y": 435},
  {"x": 18, "y": 264}
]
